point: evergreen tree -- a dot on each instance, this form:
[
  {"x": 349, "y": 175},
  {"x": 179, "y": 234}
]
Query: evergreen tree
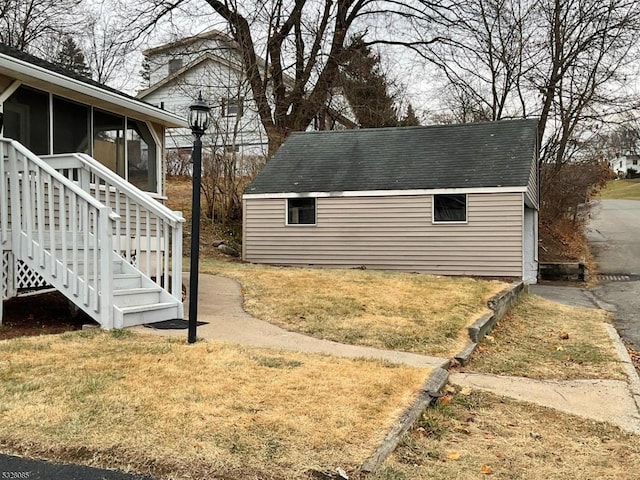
[
  {"x": 71, "y": 57},
  {"x": 145, "y": 73},
  {"x": 410, "y": 118},
  {"x": 366, "y": 87}
]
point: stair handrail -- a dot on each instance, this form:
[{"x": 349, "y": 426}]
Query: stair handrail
[
  {"x": 129, "y": 189},
  {"x": 164, "y": 272},
  {"x": 93, "y": 292},
  {"x": 54, "y": 173}
]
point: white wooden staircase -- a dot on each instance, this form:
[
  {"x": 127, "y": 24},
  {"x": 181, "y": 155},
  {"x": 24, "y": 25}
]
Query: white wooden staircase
[{"x": 110, "y": 248}]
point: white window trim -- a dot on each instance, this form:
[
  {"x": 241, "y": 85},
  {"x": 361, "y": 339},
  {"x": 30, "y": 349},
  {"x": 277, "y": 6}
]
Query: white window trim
[
  {"x": 444, "y": 222},
  {"x": 286, "y": 214}
]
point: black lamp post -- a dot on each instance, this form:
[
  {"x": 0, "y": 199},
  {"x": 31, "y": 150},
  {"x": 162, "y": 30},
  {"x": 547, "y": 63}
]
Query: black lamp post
[{"x": 198, "y": 121}]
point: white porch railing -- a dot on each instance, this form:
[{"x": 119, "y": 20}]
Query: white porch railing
[
  {"x": 57, "y": 228},
  {"x": 146, "y": 233}
]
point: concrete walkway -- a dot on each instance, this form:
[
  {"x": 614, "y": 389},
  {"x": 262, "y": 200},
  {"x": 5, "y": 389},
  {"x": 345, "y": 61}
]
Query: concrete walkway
[
  {"x": 613, "y": 401},
  {"x": 602, "y": 400},
  {"x": 220, "y": 303}
]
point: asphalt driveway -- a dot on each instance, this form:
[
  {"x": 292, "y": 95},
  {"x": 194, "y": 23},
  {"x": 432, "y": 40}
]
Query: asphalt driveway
[{"x": 614, "y": 234}]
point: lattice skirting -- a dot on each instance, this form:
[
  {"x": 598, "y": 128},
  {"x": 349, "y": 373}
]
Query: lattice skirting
[
  {"x": 7, "y": 287},
  {"x": 17, "y": 277}
]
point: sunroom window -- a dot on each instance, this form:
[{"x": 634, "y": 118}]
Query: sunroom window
[
  {"x": 108, "y": 141},
  {"x": 141, "y": 156},
  {"x": 70, "y": 127},
  {"x": 26, "y": 119}
]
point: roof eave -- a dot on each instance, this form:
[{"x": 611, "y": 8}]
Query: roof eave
[
  {"x": 28, "y": 73},
  {"x": 389, "y": 192}
]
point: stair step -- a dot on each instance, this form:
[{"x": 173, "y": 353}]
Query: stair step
[
  {"x": 123, "y": 281},
  {"x": 136, "y": 296},
  {"x": 141, "y": 314},
  {"x": 116, "y": 265}
]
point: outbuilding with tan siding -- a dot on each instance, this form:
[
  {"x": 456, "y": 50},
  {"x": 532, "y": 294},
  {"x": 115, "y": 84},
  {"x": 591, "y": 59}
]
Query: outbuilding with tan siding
[{"x": 450, "y": 200}]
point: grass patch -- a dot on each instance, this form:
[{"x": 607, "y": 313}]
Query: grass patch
[
  {"x": 624, "y": 189},
  {"x": 543, "y": 339},
  {"x": 481, "y": 435},
  {"x": 210, "y": 410},
  {"x": 416, "y": 313}
]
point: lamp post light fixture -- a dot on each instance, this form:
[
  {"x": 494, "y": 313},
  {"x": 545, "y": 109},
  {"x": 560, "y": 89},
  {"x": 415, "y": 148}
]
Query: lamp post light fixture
[{"x": 198, "y": 121}]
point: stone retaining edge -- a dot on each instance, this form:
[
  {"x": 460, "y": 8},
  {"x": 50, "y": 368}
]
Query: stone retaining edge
[
  {"x": 500, "y": 304},
  {"x": 428, "y": 394}
]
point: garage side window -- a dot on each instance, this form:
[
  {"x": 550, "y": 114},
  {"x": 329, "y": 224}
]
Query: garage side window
[
  {"x": 301, "y": 211},
  {"x": 449, "y": 208}
]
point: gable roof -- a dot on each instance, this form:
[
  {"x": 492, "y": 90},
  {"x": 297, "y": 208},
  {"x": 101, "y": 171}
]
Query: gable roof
[
  {"x": 208, "y": 54},
  {"x": 191, "y": 65},
  {"x": 185, "y": 42},
  {"x": 39, "y": 73},
  {"x": 472, "y": 155}
]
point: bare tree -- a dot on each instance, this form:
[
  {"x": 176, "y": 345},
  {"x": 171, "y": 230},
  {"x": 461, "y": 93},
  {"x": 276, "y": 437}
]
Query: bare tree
[
  {"x": 581, "y": 67},
  {"x": 36, "y": 25},
  {"x": 304, "y": 46},
  {"x": 483, "y": 56},
  {"x": 106, "y": 46}
]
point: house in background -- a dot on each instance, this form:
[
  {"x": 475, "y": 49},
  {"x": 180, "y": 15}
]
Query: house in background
[
  {"x": 81, "y": 176},
  {"x": 622, "y": 164},
  {"x": 450, "y": 200},
  {"x": 211, "y": 63}
]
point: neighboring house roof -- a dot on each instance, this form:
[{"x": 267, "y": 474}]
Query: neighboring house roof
[
  {"x": 207, "y": 54},
  {"x": 48, "y": 76},
  {"x": 466, "y": 156},
  {"x": 185, "y": 42},
  {"x": 191, "y": 65}
]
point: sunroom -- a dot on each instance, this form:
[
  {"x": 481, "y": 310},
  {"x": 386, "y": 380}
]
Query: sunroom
[{"x": 81, "y": 185}]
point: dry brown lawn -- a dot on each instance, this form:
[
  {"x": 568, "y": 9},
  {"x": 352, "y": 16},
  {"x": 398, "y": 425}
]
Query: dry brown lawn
[
  {"x": 543, "y": 339},
  {"x": 162, "y": 407},
  {"x": 416, "y": 313},
  {"x": 480, "y": 435}
]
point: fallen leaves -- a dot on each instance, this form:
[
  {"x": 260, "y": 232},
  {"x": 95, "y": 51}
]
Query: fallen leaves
[
  {"x": 453, "y": 455},
  {"x": 486, "y": 469}
]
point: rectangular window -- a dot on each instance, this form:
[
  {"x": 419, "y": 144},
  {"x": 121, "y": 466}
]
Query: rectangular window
[
  {"x": 449, "y": 208},
  {"x": 175, "y": 64},
  {"x": 301, "y": 211},
  {"x": 232, "y": 107},
  {"x": 635, "y": 162}
]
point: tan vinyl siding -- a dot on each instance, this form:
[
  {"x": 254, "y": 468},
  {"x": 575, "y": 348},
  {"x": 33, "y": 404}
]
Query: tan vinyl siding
[
  {"x": 393, "y": 233},
  {"x": 532, "y": 185}
]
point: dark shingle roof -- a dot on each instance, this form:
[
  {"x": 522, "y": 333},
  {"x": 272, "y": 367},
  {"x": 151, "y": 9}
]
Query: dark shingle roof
[{"x": 492, "y": 154}]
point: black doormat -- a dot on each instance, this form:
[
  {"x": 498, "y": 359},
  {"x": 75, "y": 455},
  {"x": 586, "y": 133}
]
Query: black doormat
[{"x": 176, "y": 324}]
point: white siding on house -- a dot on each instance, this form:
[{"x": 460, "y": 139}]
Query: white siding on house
[
  {"x": 394, "y": 233},
  {"x": 217, "y": 82}
]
